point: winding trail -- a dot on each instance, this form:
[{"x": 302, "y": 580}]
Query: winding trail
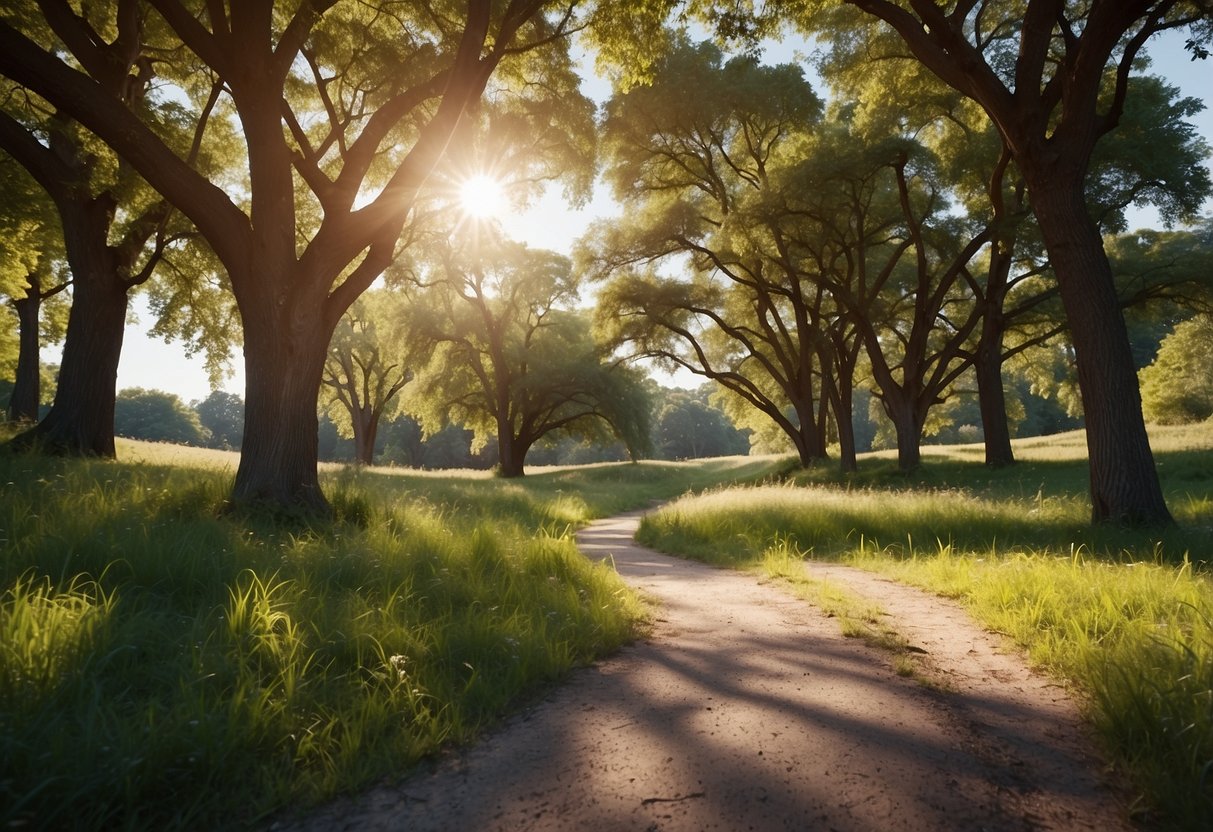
[{"x": 747, "y": 710}]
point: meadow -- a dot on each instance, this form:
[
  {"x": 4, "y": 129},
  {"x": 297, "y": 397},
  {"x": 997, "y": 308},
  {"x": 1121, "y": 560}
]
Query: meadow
[
  {"x": 167, "y": 664},
  {"x": 1123, "y": 616}
]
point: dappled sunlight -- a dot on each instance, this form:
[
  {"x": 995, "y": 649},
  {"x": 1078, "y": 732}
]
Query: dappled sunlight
[{"x": 747, "y": 710}]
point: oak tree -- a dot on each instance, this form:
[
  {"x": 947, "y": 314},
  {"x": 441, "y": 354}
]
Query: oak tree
[
  {"x": 33, "y": 281},
  {"x": 366, "y": 368},
  {"x": 1039, "y": 69},
  {"x": 511, "y": 358},
  {"x": 344, "y": 109}
]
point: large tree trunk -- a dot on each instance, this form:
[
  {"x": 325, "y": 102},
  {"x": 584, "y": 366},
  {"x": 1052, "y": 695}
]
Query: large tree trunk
[
  {"x": 991, "y": 395},
  {"x": 987, "y": 364},
  {"x": 804, "y": 450},
  {"x": 808, "y": 441},
  {"x": 27, "y": 387},
  {"x": 511, "y": 452},
  {"x": 1124, "y": 481},
  {"x": 908, "y": 427},
  {"x": 844, "y": 414},
  {"x": 81, "y": 420},
  {"x": 366, "y": 428},
  {"x": 283, "y": 361}
]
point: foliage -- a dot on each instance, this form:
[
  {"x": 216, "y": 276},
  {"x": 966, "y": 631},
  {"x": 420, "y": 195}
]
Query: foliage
[
  {"x": 366, "y": 368},
  {"x": 1178, "y": 387},
  {"x": 221, "y": 415},
  {"x": 1053, "y": 78},
  {"x": 511, "y": 360},
  {"x": 156, "y": 416},
  {"x": 809, "y": 241},
  {"x": 699, "y": 276},
  {"x": 344, "y": 110},
  {"x": 689, "y": 426}
]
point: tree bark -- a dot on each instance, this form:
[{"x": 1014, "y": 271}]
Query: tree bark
[
  {"x": 1124, "y": 481},
  {"x": 366, "y": 426},
  {"x": 908, "y": 427},
  {"x": 511, "y": 458},
  {"x": 81, "y": 420},
  {"x": 844, "y": 414},
  {"x": 27, "y": 387},
  {"x": 810, "y": 443},
  {"x": 991, "y": 395},
  {"x": 284, "y": 361}
]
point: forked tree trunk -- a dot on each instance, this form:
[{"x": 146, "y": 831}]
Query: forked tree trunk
[
  {"x": 81, "y": 420},
  {"x": 1124, "y": 481},
  {"x": 844, "y": 410},
  {"x": 365, "y": 421},
  {"x": 283, "y": 361},
  {"x": 27, "y": 386}
]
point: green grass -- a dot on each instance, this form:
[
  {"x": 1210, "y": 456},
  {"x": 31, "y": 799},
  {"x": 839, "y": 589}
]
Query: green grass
[
  {"x": 166, "y": 665},
  {"x": 1126, "y": 616}
]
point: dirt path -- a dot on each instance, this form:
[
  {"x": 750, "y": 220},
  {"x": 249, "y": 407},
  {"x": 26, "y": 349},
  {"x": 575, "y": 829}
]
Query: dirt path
[{"x": 747, "y": 710}]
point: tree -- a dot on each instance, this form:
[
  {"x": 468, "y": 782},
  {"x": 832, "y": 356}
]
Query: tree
[
  {"x": 344, "y": 109},
  {"x": 30, "y": 252},
  {"x": 700, "y": 176},
  {"x": 115, "y": 231},
  {"x": 1177, "y": 388},
  {"x": 221, "y": 415},
  {"x": 809, "y": 240},
  {"x": 510, "y": 360},
  {"x": 1153, "y": 157},
  {"x": 156, "y": 416},
  {"x": 901, "y": 268},
  {"x": 1040, "y": 70},
  {"x": 688, "y": 426},
  {"x": 366, "y": 368}
]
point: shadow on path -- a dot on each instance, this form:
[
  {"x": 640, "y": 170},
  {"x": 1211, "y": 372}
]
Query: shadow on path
[{"x": 746, "y": 709}]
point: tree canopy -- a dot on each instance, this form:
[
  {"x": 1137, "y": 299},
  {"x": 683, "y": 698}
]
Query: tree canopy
[
  {"x": 366, "y": 369},
  {"x": 344, "y": 111},
  {"x": 511, "y": 359}
]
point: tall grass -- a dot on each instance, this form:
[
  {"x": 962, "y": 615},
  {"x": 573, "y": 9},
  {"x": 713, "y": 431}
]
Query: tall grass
[
  {"x": 1126, "y": 616},
  {"x": 164, "y": 664}
]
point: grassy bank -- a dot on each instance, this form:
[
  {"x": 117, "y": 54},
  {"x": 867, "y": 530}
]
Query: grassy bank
[
  {"x": 163, "y": 665},
  {"x": 1126, "y": 616}
]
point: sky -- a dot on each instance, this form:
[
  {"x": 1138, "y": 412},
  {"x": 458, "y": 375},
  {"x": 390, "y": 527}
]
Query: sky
[{"x": 551, "y": 223}]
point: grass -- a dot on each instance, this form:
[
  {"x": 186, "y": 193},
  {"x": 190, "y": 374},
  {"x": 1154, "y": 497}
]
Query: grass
[
  {"x": 1126, "y": 616},
  {"x": 164, "y": 665}
]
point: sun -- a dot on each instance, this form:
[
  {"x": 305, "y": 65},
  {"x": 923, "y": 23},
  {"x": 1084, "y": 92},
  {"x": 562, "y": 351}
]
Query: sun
[{"x": 482, "y": 196}]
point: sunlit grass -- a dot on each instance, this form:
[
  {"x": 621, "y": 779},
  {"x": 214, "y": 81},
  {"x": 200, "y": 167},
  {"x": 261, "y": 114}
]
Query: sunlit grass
[
  {"x": 1125, "y": 616},
  {"x": 164, "y": 664}
]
